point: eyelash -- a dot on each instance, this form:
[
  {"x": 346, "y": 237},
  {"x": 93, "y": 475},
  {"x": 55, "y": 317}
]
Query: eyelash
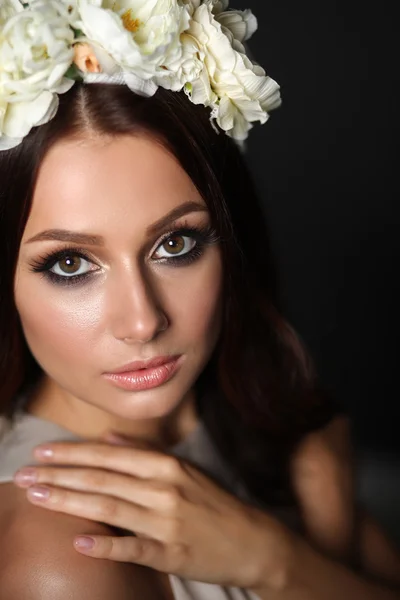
[{"x": 204, "y": 236}]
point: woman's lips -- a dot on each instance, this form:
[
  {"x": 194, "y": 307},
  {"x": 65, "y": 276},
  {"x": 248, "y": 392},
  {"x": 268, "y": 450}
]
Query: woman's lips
[{"x": 145, "y": 379}]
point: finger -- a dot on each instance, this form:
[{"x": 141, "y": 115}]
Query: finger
[
  {"x": 130, "y": 549},
  {"x": 120, "y": 440},
  {"x": 102, "y": 509},
  {"x": 147, "y": 464},
  {"x": 112, "y": 438},
  {"x": 154, "y": 495}
]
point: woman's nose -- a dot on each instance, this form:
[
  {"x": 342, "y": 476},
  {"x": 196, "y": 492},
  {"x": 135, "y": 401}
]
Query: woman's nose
[{"x": 135, "y": 312}]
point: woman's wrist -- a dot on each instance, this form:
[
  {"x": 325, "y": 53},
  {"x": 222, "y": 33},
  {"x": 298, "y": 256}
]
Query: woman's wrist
[{"x": 276, "y": 561}]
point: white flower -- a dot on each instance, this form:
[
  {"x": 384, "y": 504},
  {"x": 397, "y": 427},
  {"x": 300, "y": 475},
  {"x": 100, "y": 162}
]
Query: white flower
[
  {"x": 187, "y": 68},
  {"x": 241, "y": 92},
  {"x": 141, "y": 36},
  {"x": 219, "y": 6},
  {"x": 195, "y": 45},
  {"x": 67, "y": 8},
  {"x": 17, "y": 119},
  {"x": 35, "y": 53},
  {"x": 8, "y": 8},
  {"x": 241, "y": 23}
]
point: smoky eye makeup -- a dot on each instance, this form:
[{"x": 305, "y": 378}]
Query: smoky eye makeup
[
  {"x": 179, "y": 247},
  {"x": 64, "y": 267},
  {"x": 184, "y": 245}
]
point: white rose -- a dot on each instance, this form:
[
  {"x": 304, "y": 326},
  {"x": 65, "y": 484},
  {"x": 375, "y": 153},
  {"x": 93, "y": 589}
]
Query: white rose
[
  {"x": 35, "y": 53},
  {"x": 187, "y": 68},
  {"x": 241, "y": 92},
  {"x": 141, "y": 36},
  {"x": 17, "y": 119},
  {"x": 67, "y": 8},
  {"x": 217, "y": 6},
  {"x": 241, "y": 23},
  {"x": 3, "y": 109},
  {"x": 8, "y": 8}
]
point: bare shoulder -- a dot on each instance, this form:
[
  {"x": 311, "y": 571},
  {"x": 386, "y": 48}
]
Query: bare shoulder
[
  {"x": 379, "y": 554},
  {"x": 38, "y": 561},
  {"x": 331, "y": 445},
  {"x": 323, "y": 473}
]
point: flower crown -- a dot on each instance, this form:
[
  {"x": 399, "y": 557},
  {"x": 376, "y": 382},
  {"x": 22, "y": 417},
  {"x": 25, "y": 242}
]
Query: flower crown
[{"x": 194, "y": 45}]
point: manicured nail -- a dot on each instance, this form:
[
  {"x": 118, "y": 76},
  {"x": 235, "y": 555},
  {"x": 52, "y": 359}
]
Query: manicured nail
[
  {"x": 43, "y": 452},
  {"x": 39, "y": 494},
  {"x": 25, "y": 476},
  {"x": 84, "y": 542}
]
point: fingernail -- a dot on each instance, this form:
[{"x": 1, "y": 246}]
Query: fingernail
[
  {"x": 43, "y": 452},
  {"x": 39, "y": 493},
  {"x": 25, "y": 476},
  {"x": 84, "y": 542}
]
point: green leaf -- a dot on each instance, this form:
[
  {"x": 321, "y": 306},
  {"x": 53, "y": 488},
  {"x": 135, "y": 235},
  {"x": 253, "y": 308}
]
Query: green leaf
[{"x": 74, "y": 73}]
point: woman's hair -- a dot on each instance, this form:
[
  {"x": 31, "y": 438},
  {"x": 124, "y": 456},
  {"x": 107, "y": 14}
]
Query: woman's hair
[{"x": 259, "y": 394}]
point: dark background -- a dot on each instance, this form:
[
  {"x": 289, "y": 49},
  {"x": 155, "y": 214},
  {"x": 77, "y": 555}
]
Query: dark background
[{"x": 325, "y": 168}]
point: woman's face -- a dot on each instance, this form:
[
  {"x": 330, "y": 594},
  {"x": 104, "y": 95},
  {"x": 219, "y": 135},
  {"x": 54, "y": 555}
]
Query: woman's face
[{"x": 103, "y": 279}]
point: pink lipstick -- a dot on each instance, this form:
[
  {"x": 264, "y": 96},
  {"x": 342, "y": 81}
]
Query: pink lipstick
[{"x": 144, "y": 375}]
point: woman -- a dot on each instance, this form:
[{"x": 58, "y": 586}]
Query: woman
[{"x": 192, "y": 449}]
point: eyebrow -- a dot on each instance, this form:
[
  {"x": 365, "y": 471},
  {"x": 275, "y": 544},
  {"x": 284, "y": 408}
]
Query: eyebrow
[{"x": 64, "y": 235}]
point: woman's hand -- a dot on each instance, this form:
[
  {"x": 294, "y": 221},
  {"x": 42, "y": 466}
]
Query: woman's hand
[{"x": 185, "y": 524}]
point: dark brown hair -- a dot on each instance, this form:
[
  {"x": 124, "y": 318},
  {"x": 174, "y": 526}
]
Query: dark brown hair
[{"x": 259, "y": 394}]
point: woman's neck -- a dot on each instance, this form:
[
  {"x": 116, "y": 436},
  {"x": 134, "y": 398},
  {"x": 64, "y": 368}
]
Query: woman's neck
[{"x": 50, "y": 402}]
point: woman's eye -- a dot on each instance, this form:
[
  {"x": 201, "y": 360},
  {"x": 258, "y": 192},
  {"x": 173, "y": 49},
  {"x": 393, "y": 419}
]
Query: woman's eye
[
  {"x": 176, "y": 245},
  {"x": 71, "y": 265}
]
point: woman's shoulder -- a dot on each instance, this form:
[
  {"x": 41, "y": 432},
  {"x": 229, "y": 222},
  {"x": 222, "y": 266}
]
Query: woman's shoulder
[{"x": 37, "y": 554}]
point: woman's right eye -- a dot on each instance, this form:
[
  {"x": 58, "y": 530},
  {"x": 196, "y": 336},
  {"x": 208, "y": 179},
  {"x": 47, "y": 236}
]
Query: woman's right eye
[
  {"x": 65, "y": 267},
  {"x": 71, "y": 265}
]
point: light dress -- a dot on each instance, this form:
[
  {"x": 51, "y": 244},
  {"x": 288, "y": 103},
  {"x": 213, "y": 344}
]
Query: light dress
[{"x": 17, "y": 443}]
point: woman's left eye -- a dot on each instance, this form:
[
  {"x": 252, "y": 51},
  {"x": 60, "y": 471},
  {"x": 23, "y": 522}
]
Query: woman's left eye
[{"x": 176, "y": 245}]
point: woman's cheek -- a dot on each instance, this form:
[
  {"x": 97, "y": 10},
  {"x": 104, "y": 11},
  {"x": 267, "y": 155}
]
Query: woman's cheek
[
  {"x": 56, "y": 323},
  {"x": 200, "y": 299}
]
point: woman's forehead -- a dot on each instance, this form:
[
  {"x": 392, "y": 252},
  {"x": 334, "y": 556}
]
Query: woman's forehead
[{"x": 127, "y": 180}]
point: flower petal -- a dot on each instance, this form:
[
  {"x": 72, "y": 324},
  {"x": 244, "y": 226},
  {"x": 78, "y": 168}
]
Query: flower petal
[
  {"x": 200, "y": 92},
  {"x": 104, "y": 27},
  {"x": 6, "y": 143},
  {"x": 242, "y": 23},
  {"x": 22, "y": 116}
]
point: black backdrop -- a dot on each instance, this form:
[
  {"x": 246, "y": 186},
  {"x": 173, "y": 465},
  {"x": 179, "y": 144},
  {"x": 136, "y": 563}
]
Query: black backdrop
[{"x": 325, "y": 167}]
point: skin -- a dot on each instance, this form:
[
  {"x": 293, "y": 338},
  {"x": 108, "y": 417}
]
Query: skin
[
  {"x": 133, "y": 307},
  {"x": 186, "y": 524}
]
